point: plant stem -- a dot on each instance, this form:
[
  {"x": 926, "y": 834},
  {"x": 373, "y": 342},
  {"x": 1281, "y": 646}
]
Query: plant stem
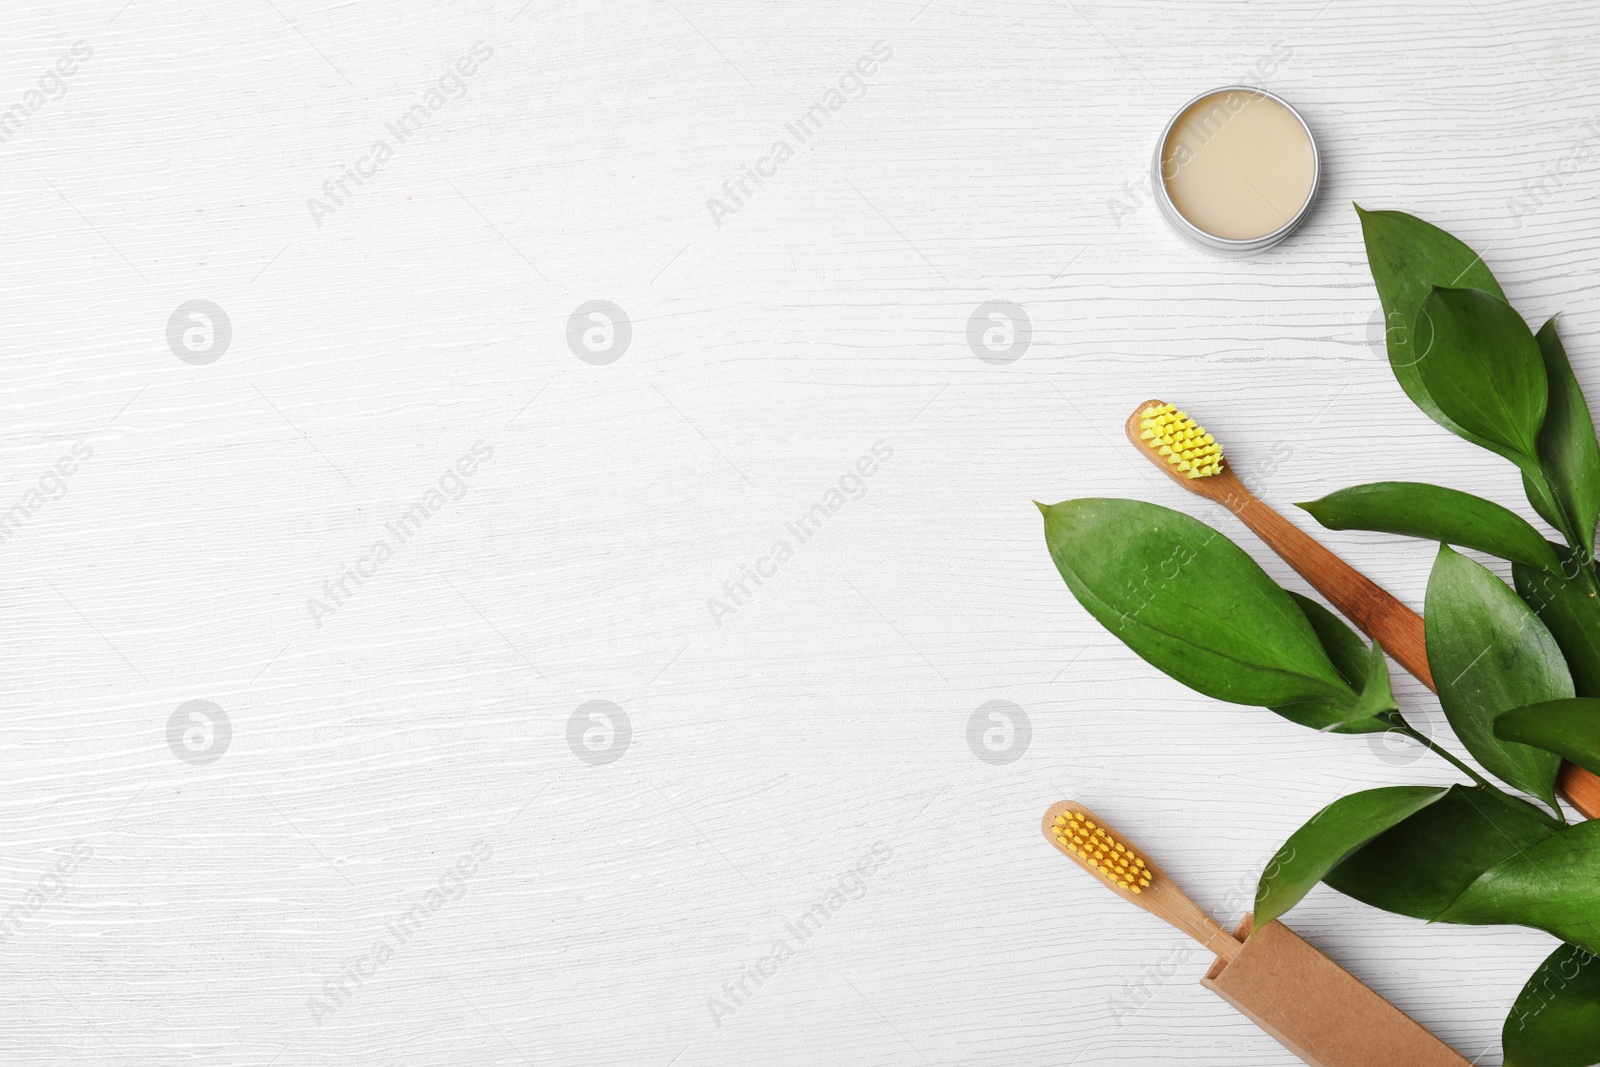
[
  {"x": 1404, "y": 727},
  {"x": 1422, "y": 739}
]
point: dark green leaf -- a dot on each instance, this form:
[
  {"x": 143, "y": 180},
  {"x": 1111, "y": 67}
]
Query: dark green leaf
[
  {"x": 1331, "y": 835},
  {"x": 1553, "y": 885},
  {"x": 1482, "y": 366},
  {"x": 1489, "y": 653},
  {"x": 1556, "y": 1019},
  {"x": 1351, "y": 656},
  {"x": 1435, "y": 513},
  {"x": 1569, "y": 455},
  {"x": 1569, "y": 728},
  {"x": 1570, "y": 610},
  {"x": 1408, "y": 257},
  {"x": 1425, "y": 862},
  {"x": 1190, "y": 602}
]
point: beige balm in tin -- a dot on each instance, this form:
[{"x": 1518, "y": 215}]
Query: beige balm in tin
[{"x": 1235, "y": 169}]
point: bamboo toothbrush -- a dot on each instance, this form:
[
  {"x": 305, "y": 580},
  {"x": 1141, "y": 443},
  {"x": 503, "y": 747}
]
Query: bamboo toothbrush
[
  {"x": 1086, "y": 840},
  {"x": 1315, "y": 1008},
  {"x": 1174, "y": 442}
]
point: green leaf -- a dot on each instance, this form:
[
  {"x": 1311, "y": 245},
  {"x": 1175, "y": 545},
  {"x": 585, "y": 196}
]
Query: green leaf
[
  {"x": 1569, "y": 455},
  {"x": 1350, "y": 655},
  {"x": 1344, "y": 647},
  {"x": 1435, "y": 513},
  {"x": 1331, "y": 835},
  {"x": 1489, "y": 653},
  {"x": 1569, "y": 728},
  {"x": 1556, "y": 1019},
  {"x": 1425, "y": 862},
  {"x": 1567, "y": 605},
  {"x": 1377, "y": 696},
  {"x": 1553, "y": 885},
  {"x": 1189, "y": 602},
  {"x": 1408, "y": 257},
  {"x": 1482, "y": 367}
]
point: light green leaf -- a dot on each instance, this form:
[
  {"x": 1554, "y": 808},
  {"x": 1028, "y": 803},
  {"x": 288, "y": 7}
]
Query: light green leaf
[
  {"x": 1377, "y": 696},
  {"x": 1332, "y": 834},
  {"x": 1408, "y": 257},
  {"x": 1566, "y": 603},
  {"x": 1190, "y": 602},
  {"x": 1423, "y": 863},
  {"x": 1553, "y": 885},
  {"x": 1569, "y": 455},
  {"x": 1569, "y": 728},
  {"x": 1555, "y": 1021},
  {"x": 1482, "y": 367},
  {"x": 1435, "y": 513},
  {"x": 1489, "y": 653}
]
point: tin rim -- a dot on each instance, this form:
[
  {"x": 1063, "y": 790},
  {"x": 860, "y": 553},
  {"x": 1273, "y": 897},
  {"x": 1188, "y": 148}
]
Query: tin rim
[{"x": 1205, "y": 238}]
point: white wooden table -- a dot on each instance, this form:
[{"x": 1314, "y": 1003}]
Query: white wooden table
[{"x": 377, "y": 844}]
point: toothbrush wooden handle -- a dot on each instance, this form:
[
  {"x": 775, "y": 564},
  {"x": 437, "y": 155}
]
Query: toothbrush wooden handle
[
  {"x": 1383, "y": 618},
  {"x": 1581, "y": 789},
  {"x": 1372, "y": 608}
]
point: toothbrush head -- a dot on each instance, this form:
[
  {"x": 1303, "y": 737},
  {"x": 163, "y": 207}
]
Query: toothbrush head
[
  {"x": 1097, "y": 848},
  {"x": 1085, "y": 839},
  {"x": 1177, "y": 440}
]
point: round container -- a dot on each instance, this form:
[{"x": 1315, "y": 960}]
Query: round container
[{"x": 1236, "y": 170}]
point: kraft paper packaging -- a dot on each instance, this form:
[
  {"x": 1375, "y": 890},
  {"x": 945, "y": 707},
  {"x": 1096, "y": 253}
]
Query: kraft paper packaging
[{"x": 1317, "y": 1009}]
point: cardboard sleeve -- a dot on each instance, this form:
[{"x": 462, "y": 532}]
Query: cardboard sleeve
[{"x": 1318, "y": 1010}]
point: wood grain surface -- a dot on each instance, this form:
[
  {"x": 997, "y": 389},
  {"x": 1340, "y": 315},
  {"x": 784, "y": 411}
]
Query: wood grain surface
[{"x": 401, "y": 538}]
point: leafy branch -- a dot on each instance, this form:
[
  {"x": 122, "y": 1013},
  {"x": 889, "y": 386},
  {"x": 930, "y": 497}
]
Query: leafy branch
[{"x": 1517, "y": 666}]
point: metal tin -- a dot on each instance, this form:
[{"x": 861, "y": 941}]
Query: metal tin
[{"x": 1209, "y": 241}]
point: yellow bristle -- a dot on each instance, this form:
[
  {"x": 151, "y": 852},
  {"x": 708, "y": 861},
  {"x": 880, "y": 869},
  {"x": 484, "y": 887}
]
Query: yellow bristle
[
  {"x": 1173, "y": 435},
  {"x": 1099, "y": 849}
]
